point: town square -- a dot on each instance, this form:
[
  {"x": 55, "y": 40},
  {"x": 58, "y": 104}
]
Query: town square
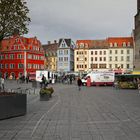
[{"x": 69, "y": 70}]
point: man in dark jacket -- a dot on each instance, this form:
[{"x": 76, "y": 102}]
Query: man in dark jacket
[{"x": 79, "y": 83}]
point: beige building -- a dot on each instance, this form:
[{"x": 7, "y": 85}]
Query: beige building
[
  {"x": 114, "y": 53},
  {"x": 81, "y": 56}
]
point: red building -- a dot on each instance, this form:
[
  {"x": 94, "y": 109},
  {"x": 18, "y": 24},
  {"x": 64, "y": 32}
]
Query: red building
[{"x": 20, "y": 56}]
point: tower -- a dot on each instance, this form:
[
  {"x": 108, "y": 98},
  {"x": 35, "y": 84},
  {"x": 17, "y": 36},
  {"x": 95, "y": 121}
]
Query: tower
[{"x": 138, "y": 6}]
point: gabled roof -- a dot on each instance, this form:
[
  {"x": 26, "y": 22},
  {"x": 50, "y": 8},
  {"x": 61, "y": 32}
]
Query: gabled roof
[
  {"x": 9, "y": 42},
  {"x": 68, "y": 41},
  {"x": 50, "y": 47}
]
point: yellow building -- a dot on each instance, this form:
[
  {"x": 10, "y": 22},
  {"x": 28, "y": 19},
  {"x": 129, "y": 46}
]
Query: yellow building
[{"x": 51, "y": 56}]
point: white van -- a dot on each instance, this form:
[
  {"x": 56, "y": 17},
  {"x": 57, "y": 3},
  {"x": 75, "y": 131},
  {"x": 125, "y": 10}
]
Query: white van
[{"x": 100, "y": 78}]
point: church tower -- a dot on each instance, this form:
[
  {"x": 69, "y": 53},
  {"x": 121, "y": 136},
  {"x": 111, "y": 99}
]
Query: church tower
[
  {"x": 138, "y": 6},
  {"x": 137, "y": 38}
]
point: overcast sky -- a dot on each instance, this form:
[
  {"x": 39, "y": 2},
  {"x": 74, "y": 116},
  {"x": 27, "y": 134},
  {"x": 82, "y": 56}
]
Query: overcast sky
[{"x": 80, "y": 19}]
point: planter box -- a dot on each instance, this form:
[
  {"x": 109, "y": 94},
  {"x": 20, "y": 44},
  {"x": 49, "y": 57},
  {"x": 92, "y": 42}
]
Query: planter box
[
  {"x": 44, "y": 97},
  {"x": 12, "y": 105}
]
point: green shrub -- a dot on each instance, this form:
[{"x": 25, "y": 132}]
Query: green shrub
[{"x": 46, "y": 90}]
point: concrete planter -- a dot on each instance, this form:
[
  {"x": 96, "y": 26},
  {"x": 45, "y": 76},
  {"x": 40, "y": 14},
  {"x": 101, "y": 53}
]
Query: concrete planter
[
  {"x": 12, "y": 105},
  {"x": 44, "y": 97}
]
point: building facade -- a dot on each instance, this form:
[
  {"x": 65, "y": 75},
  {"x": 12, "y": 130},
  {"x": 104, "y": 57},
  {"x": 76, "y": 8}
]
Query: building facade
[
  {"x": 81, "y": 59},
  {"x": 137, "y": 38},
  {"x": 65, "y": 55},
  {"x": 51, "y": 56},
  {"x": 110, "y": 54},
  {"x": 20, "y": 56},
  {"x": 121, "y": 54}
]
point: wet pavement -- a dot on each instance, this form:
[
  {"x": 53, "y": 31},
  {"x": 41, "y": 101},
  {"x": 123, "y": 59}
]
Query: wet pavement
[{"x": 94, "y": 113}]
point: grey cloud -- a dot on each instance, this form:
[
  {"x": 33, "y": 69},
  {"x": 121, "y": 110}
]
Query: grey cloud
[{"x": 81, "y": 19}]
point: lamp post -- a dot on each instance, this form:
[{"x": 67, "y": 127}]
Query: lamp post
[{"x": 25, "y": 62}]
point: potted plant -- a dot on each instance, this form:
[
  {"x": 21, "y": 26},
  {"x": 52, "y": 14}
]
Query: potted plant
[{"x": 46, "y": 93}]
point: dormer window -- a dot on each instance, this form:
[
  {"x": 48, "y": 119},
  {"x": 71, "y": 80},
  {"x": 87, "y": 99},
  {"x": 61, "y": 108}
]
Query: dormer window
[
  {"x": 115, "y": 44},
  {"x": 128, "y": 44},
  {"x": 111, "y": 45},
  {"x": 124, "y": 44},
  {"x": 81, "y": 45}
]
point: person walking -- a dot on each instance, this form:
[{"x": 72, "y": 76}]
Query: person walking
[
  {"x": 79, "y": 83},
  {"x": 139, "y": 87},
  {"x": 88, "y": 81},
  {"x": 2, "y": 83}
]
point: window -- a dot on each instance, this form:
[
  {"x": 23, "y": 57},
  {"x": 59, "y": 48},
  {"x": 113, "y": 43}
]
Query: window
[
  {"x": 6, "y": 66},
  {"x": 12, "y": 66},
  {"x": 115, "y": 44},
  {"x": 29, "y": 66},
  {"x": 122, "y": 66},
  {"x": 85, "y": 59},
  {"x": 102, "y": 65},
  {"x": 92, "y": 59},
  {"x": 65, "y": 52},
  {"x": 77, "y": 58},
  {"x": 116, "y": 66},
  {"x": 116, "y": 58},
  {"x": 128, "y": 51},
  {"x": 116, "y": 51},
  {"x": 111, "y": 45},
  {"x": 60, "y": 52},
  {"x": 110, "y": 58},
  {"x": 121, "y": 51},
  {"x": 91, "y": 52},
  {"x": 110, "y": 66},
  {"x": 11, "y": 56},
  {"x": 110, "y": 51},
  {"x": 128, "y": 44},
  {"x": 95, "y": 66},
  {"x": 100, "y": 58},
  {"x": 124, "y": 44},
  {"x": 1, "y": 66},
  {"x": 122, "y": 58},
  {"x": 104, "y": 52},
  {"x": 85, "y": 66},
  {"x": 104, "y": 58},
  {"x": 128, "y": 58},
  {"x": 20, "y": 56},
  {"x": 96, "y": 52},
  {"x": 6, "y": 56},
  {"x": 96, "y": 59},
  {"x": 100, "y": 52},
  {"x": 20, "y": 66},
  {"x": 127, "y": 66}
]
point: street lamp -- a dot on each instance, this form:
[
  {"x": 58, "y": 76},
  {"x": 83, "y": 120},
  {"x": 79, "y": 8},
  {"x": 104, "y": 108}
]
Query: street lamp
[{"x": 25, "y": 62}]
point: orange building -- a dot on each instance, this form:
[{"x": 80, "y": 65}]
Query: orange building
[{"x": 20, "y": 56}]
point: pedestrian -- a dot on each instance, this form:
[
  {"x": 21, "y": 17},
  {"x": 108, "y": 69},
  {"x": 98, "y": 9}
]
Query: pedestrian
[
  {"x": 2, "y": 83},
  {"x": 79, "y": 83},
  {"x": 88, "y": 81},
  {"x": 139, "y": 87}
]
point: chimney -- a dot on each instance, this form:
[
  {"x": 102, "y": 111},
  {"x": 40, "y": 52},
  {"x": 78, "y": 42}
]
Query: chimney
[
  {"x": 55, "y": 41},
  {"x": 49, "y": 42}
]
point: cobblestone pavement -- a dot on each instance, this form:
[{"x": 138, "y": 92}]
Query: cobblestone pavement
[{"x": 94, "y": 113}]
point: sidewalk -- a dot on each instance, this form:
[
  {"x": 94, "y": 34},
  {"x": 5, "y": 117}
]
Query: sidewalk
[{"x": 94, "y": 113}]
